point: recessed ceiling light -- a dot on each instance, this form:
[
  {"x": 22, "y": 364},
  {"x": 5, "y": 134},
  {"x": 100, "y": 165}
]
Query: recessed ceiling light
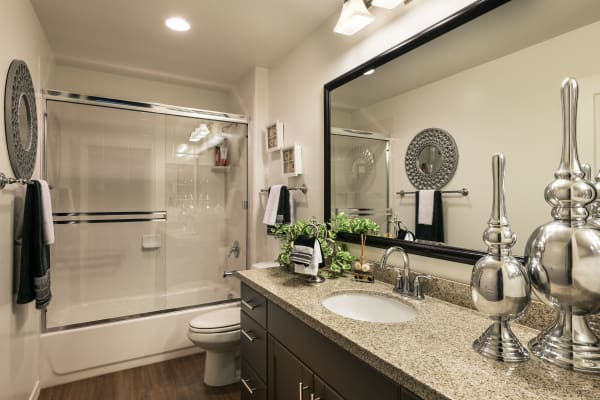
[
  {"x": 177, "y": 24},
  {"x": 369, "y": 72}
]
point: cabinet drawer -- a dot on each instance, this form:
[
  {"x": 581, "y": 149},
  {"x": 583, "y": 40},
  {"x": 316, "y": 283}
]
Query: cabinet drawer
[
  {"x": 255, "y": 305},
  {"x": 253, "y": 388},
  {"x": 254, "y": 345}
]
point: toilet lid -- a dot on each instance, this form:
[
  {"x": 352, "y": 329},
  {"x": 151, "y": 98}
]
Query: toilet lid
[{"x": 217, "y": 320}]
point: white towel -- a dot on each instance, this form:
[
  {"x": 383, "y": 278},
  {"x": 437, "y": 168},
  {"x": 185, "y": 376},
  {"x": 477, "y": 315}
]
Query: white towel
[
  {"x": 313, "y": 267},
  {"x": 48, "y": 228},
  {"x": 270, "y": 217},
  {"x": 426, "y": 207}
]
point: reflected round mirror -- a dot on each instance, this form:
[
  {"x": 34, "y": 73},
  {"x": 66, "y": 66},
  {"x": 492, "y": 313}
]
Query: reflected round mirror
[
  {"x": 429, "y": 160},
  {"x": 24, "y": 123}
]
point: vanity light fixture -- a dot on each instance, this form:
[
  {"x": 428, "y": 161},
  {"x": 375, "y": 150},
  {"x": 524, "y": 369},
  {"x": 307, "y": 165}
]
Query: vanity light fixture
[
  {"x": 353, "y": 18},
  {"x": 370, "y": 72},
  {"x": 177, "y": 24},
  {"x": 388, "y": 4}
]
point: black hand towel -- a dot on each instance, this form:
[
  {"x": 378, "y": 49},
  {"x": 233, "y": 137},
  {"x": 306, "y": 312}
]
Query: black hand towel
[
  {"x": 34, "y": 270},
  {"x": 435, "y": 231}
]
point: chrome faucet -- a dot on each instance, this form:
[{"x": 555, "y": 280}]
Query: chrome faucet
[{"x": 403, "y": 285}]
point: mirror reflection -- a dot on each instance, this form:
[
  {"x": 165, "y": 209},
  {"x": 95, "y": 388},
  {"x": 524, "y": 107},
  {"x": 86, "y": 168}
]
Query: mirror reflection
[
  {"x": 429, "y": 160},
  {"x": 24, "y": 123},
  {"x": 494, "y": 83}
]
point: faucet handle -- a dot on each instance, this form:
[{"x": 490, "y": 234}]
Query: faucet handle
[{"x": 418, "y": 293}]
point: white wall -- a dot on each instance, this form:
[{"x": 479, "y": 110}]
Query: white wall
[
  {"x": 296, "y": 86},
  {"x": 480, "y": 109},
  {"x": 21, "y": 37}
]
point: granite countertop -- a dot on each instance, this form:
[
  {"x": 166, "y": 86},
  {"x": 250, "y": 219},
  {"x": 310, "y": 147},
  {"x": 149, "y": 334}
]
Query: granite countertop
[{"x": 431, "y": 355}]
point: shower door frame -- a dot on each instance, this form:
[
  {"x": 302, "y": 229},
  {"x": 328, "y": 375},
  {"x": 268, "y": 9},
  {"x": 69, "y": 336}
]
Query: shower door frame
[{"x": 155, "y": 108}]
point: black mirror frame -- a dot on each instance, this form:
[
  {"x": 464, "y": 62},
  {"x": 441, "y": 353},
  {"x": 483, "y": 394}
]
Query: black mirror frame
[{"x": 456, "y": 254}]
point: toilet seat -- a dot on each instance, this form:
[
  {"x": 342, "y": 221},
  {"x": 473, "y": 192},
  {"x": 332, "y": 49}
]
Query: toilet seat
[{"x": 217, "y": 321}]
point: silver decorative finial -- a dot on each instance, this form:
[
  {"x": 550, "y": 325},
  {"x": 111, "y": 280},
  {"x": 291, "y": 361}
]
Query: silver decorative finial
[
  {"x": 499, "y": 284},
  {"x": 563, "y": 258}
]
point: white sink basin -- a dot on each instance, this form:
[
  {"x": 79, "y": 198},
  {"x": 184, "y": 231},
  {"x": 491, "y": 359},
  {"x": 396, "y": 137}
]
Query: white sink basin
[{"x": 369, "y": 307}]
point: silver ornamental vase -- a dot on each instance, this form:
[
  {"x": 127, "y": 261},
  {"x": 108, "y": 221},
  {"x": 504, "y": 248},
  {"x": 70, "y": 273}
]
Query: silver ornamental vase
[
  {"x": 499, "y": 283},
  {"x": 564, "y": 258}
]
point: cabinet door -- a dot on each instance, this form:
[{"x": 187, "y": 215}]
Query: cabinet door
[
  {"x": 289, "y": 379},
  {"x": 324, "y": 392}
]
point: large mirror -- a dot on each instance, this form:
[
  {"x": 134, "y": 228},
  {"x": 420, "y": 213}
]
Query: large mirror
[{"x": 490, "y": 76}]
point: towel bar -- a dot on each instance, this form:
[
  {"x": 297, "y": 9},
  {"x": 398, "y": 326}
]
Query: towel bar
[
  {"x": 463, "y": 192},
  {"x": 303, "y": 188},
  {"x": 5, "y": 180}
]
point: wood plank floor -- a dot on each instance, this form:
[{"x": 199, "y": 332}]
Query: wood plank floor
[{"x": 178, "y": 379}]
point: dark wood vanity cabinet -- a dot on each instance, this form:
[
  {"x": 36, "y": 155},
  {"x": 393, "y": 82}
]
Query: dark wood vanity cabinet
[
  {"x": 285, "y": 359},
  {"x": 289, "y": 378}
]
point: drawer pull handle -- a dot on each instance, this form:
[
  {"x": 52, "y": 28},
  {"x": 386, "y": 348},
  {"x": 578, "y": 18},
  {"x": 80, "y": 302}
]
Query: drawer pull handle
[
  {"x": 301, "y": 388},
  {"x": 248, "y": 388},
  {"x": 248, "y": 335},
  {"x": 312, "y": 397},
  {"x": 248, "y": 305}
]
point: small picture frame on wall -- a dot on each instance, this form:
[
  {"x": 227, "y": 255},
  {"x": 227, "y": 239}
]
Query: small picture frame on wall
[
  {"x": 274, "y": 136},
  {"x": 291, "y": 160}
]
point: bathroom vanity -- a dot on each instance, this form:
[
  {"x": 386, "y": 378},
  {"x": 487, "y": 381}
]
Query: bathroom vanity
[
  {"x": 295, "y": 348},
  {"x": 283, "y": 358}
]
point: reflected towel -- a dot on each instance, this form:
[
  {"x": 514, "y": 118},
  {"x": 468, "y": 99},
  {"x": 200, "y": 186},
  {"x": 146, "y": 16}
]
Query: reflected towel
[
  {"x": 435, "y": 230},
  {"x": 425, "y": 198}
]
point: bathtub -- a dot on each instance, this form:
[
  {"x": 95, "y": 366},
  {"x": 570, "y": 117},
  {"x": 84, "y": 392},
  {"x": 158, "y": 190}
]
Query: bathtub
[{"x": 81, "y": 352}]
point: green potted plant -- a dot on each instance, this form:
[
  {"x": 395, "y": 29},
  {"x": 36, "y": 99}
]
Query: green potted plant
[
  {"x": 287, "y": 234},
  {"x": 337, "y": 256},
  {"x": 359, "y": 226}
]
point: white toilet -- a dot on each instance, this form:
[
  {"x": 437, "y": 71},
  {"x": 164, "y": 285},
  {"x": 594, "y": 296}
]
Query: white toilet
[{"x": 218, "y": 333}]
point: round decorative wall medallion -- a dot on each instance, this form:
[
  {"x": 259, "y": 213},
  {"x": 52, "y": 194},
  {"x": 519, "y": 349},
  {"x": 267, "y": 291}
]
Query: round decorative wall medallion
[
  {"x": 20, "y": 120},
  {"x": 431, "y": 159}
]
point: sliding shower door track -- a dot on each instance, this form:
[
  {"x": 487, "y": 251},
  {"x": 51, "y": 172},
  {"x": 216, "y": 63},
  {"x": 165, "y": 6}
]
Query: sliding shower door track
[{"x": 128, "y": 317}]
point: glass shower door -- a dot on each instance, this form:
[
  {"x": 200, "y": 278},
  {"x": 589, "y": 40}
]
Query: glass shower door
[
  {"x": 145, "y": 216},
  {"x": 105, "y": 169},
  {"x": 205, "y": 204}
]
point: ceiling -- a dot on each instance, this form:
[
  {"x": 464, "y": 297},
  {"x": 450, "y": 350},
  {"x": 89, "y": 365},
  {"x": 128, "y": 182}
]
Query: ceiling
[
  {"x": 227, "y": 38},
  {"x": 484, "y": 39}
]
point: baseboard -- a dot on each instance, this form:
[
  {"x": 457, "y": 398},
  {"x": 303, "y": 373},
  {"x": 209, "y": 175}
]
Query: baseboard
[{"x": 35, "y": 393}]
